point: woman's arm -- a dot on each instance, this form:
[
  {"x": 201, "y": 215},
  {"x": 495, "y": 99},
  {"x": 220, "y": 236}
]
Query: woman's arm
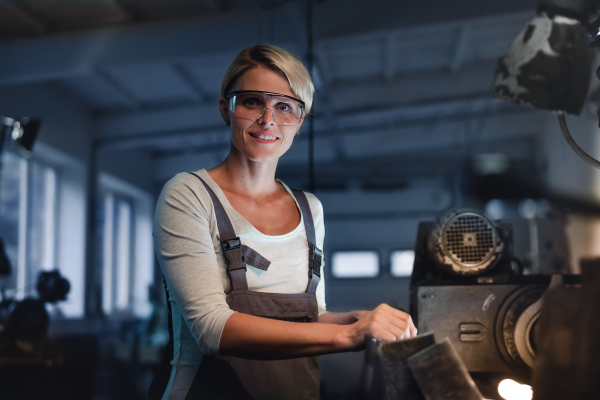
[
  {"x": 340, "y": 318},
  {"x": 262, "y": 338},
  {"x": 185, "y": 248}
]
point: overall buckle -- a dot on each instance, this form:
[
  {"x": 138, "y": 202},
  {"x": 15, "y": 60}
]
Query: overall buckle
[
  {"x": 233, "y": 245},
  {"x": 316, "y": 262}
]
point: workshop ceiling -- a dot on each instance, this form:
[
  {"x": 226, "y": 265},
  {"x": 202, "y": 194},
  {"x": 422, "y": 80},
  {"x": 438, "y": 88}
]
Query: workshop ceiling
[
  {"x": 22, "y": 18},
  {"x": 389, "y": 74}
]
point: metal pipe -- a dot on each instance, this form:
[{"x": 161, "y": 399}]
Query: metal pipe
[{"x": 565, "y": 130}]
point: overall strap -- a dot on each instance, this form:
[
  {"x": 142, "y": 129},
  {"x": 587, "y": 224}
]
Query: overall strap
[
  {"x": 230, "y": 243},
  {"x": 315, "y": 255}
]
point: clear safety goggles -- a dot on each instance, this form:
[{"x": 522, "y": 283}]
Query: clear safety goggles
[{"x": 252, "y": 105}]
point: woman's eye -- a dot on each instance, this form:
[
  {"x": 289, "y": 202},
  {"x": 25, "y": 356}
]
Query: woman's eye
[
  {"x": 284, "y": 107},
  {"x": 251, "y": 102}
]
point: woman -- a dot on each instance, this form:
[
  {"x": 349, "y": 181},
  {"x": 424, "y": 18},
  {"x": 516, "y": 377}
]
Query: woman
[{"x": 239, "y": 251}]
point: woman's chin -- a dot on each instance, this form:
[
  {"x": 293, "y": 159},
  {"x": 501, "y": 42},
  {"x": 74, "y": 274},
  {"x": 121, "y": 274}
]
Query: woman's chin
[{"x": 262, "y": 158}]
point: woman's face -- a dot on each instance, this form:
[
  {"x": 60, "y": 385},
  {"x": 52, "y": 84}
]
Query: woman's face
[{"x": 245, "y": 134}]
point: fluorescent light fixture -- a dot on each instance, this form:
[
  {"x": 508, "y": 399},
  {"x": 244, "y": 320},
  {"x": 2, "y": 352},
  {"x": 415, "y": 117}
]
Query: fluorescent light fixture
[
  {"x": 402, "y": 263},
  {"x": 355, "y": 264}
]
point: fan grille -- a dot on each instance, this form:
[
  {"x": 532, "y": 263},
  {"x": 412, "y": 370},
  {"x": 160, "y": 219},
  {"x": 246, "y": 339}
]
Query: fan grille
[{"x": 470, "y": 238}]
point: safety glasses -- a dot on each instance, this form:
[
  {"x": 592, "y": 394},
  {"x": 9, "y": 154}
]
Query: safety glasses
[{"x": 252, "y": 105}]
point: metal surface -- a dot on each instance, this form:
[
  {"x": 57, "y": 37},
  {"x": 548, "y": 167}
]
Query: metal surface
[
  {"x": 387, "y": 376},
  {"x": 465, "y": 313},
  {"x": 491, "y": 326},
  {"x": 441, "y": 374}
]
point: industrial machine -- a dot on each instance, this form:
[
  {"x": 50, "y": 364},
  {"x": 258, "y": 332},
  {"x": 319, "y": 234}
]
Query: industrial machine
[{"x": 468, "y": 286}]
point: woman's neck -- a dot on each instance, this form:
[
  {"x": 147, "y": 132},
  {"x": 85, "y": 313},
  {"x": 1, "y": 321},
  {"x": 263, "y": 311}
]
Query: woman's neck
[{"x": 238, "y": 174}]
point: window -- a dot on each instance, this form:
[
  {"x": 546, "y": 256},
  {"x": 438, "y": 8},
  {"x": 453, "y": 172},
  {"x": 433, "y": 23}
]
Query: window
[
  {"x": 27, "y": 222},
  {"x": 402, "y": 263},
  {"x": 116, "y": 253},
  {"x": 126, "y": 255},
  {"x": 355, "y": 264}
]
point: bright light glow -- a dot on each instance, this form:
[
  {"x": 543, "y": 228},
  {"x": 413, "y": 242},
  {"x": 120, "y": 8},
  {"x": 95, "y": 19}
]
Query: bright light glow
[
  {"x": 402, "y": 263},
  {"x": 527, "y": 208},
  {"x": 123, "y": 256},
  {"x": 495, "y": 208},
  {"x": 143, "y": 254},
  {"x": 355, "y": 264},
  {"x": 21, "y": 258},
  {"x": 48, "y": 261},
  {"x": 107, "y": 267},
  {"x": 511, "y": 390}
]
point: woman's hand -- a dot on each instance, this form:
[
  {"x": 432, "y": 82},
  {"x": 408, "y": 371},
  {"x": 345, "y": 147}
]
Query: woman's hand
[{"x": 384, "y": 324}]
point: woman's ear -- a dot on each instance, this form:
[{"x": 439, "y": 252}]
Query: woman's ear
[{"x": 224, "y": 111}]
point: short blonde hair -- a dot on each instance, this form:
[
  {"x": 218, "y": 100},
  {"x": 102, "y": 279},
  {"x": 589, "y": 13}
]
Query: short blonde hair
[{"x": 277, "y": 59}]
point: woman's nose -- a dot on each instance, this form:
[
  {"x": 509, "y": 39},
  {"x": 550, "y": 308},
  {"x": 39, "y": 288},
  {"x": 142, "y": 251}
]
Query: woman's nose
[{"x": 267, "y": 117}]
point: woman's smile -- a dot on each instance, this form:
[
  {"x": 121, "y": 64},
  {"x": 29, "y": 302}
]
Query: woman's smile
[{"x": 264, "y": 137}]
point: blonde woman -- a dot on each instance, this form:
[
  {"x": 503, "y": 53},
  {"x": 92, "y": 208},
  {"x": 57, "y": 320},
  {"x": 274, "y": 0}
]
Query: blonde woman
[{"x": 241, "y": 255}]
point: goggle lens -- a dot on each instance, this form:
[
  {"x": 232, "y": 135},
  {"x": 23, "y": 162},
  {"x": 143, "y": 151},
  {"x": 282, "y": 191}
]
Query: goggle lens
[{"x": 253, "y": 106}]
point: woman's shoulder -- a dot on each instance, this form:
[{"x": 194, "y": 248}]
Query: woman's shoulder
[
  {"x": 186, "y": 189},
  {"x": 315, "y": 204},
  {"x": 182, "y": 183}
]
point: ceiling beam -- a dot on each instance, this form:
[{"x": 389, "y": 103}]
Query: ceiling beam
[
  {"x": 195, "y": 93},
  {"x": 166, "y": 122},
  {"x": 130, "y": 101},
  {"x": 62, "y": 56},
  {"x": 474, "y": 79}
]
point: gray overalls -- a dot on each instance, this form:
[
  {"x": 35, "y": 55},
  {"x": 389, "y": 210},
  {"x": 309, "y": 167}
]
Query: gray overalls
[{"x": 222, "y": 377}]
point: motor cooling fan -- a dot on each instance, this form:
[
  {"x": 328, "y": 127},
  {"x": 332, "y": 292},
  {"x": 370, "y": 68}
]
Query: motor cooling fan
[{"x": 465, "y": 242}]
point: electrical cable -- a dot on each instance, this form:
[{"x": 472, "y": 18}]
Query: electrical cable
[
  {"x": 311, "y": 121},
  {"x": 565, "y": 130}
]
